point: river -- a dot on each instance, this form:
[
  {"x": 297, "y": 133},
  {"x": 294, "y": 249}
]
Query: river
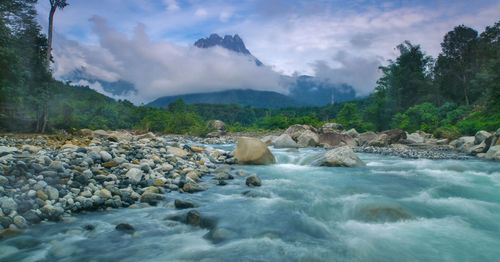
[{"x": 393, "y": 209}]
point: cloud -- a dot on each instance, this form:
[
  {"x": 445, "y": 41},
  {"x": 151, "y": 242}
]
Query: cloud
[
  {"x": 160, "y": 68},
  {"x": 359, "y": 72},
  {"x": 172, "y": 5}
]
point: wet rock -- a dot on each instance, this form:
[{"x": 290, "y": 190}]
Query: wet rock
[
  {"x": 193, "y": 218},
  {"x": 3, "y": 181},
  {"x": 384, "y": 214},
  {"x": 8, "y": 205},
  {"x": 52, "y": 212},
  {"x": 253, "y": 181},
  {"x": 125, "y": 228},
  {"x": 32, "y": 217},
  {"x": 336, "y": 139},
  {"x": 252, "y": 151},
  {"x": 308, "y": 139},
  {"x": 295, "y": 131},
  {"x": 493, "y": 153},
  {"x": 110, "y": 164},
  {"x": 135, "y": 174},
  {"x": 284, "y": 141},
  {"x": 151, "y": 198},
  {"x": 20, "y": 222},
  {"x": 176, "y": 151},
  {"x": 351, "y": 132},
  {"x": 219, "y": 235},
  {"x": 481, "y": 136},
  {"x": 394, "y": 135},
  {"x": 193, "y": 175},
  {"x": 223, "y": 176},
  {"x": 330, "y": 128},
  {"x": 179, "y": 204},
  {"x": 89, "y": 227},
  {"x": 53, "y": 193},
  {"x": 339, "y": 157},
  {"x": 105, "y": 156},
  {"x": 221, "y": 183},
  {"x": 192, "y": 188}
]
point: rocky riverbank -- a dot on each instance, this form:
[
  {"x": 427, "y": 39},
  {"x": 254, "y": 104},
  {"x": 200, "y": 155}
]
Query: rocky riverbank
[{"x": 52, "y": 177}]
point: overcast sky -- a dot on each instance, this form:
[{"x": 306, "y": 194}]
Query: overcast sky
[{"x": 149, "y": 42}]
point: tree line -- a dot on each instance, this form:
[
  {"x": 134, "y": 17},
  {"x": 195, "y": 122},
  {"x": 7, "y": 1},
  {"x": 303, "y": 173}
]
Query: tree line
[{"x": 456, "y": 93}]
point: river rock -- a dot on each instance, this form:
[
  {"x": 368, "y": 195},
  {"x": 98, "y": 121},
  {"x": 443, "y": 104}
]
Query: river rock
[
  {"x": 105, "y": 156},
  {"x": 150, "y": 197},
  {"x": 194, "y": 175},
  {"x": 252, "y": 151},
  {"x": 477, "y": 149},
  {"x": 20, "y": 222},
  {"x": 463, "y": 144},
  {"x": 8, "y": 205},
  {"x": 330, "y": 128},
  {"x": 395, "y": 135},
  {"x": 481, "y": 136},
  {"x": 415, "y": 138},
  {"x": 295, "y": 131},
  {"x": 253, "y": 181},
  {"x": 493, "y": 153},
  {"x": 380, "y": 141},
  {"x": 192, "y": 188},
  {"x": 125, "y": 228},
  {"x": 217, "y": 125},
  {"x": 100, "y": 133},
  {"x": 53, "y": 193},
  {"x": 268, "y": 140},
  {"x": 364, "y": 138},
  {"x": 193, "y": 218},
  {"x": 179, "y": 204},
  {"x": 284, "y": 141},
  {"x": 52, "y": 212},
  {"x": 176, "y": 151},
  {"x": 351, "y": 132},
  {"x": 336, "y": 139},
  {"x": 135, "y": 174},
  {"x": 339, "y": 157},
  {"x": 85, "y": 132},
  {"x": 308, "y": 139}
]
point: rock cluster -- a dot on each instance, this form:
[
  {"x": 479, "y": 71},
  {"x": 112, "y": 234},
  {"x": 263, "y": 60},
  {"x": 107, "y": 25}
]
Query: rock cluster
[{"x": 49, "y": 177}]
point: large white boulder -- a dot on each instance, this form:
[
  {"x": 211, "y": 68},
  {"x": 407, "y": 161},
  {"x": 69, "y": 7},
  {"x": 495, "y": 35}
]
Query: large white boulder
[
  {"x": 284, "y": 141},
  {"x": 341, "y": 157},
  {"x": 308, "y": 139},
  {"x": 252, "y": 151},
  {"x": 493, "y": 153}
]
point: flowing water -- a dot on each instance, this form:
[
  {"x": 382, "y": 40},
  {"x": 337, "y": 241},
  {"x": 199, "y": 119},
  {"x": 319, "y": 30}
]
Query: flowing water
[{"x": 391, "y": 210}]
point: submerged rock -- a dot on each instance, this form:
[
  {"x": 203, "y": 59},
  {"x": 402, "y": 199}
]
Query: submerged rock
[
  {"x": 339, "y": 157},
  {"x": 383, "y": 214},
  {"x": 125, "y": 228},
  {"x": 179, "y": 204},
  {"x": 253, "y": 181},
  {"x": 252, "y": 151}
]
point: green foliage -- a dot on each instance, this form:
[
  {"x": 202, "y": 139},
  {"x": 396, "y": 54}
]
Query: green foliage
[{"x": 420, "y": 117}]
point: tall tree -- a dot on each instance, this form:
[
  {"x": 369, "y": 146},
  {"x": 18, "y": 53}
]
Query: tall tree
[
  {"x": 54, "y": 4},
  {"x": 456, "y": 65}
]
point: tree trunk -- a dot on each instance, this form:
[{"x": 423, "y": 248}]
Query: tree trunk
[
  {"x": 464, "y": 80},
  {"x": 51, "y": 26}
]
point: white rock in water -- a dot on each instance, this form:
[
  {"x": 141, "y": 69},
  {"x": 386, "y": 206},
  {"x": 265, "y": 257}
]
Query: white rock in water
[
  {"x": 341, "y": 156},
  {"x": 284, "y": 141},
  {"x": 252, "y": 151}
]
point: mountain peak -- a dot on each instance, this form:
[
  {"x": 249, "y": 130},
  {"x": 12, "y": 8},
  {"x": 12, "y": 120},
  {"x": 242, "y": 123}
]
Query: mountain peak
[{"x": 233, "y": 43}]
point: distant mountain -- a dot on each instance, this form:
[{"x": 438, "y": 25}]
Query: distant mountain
[
  {"x": 116, "y": 88},
  {"x": 233, "y": 43},
  {"x": 313, "y": 91},
  {"x": 248, "y": 97}
]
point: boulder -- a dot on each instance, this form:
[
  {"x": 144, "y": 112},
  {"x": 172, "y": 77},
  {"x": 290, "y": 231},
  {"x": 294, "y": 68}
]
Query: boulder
[
  {"x": 477, "y": 149},
  {"x": 268, "y": 140},
  {"x": 193, "y": 218},
  {"x": 284, "y": 141},
  {"x": 295, "y": 131},
  {"x": 481, "y": 136},
  {"x": 463, "y": 144},
  {"x": 252, "y": 151},
  {"x": 379, "y": 141},
  {"x": 253, "y": 181},
  {"x": 179, "y": 204},
  {"x": 339, "y": 157},
  {"x": 335, "y": 139},
  {"x": 125, "y": 228},
  {"x": 415, "y": 138},
  {"x": 217, "y": 125},
  {"x": 308, "y": 139},
  {"x": 351, "y": 132},
  {"x": 176, "y": 151},
  {"x": 395, "y": 135},
  {"x": 493, "y": 153},
  {"x": 330, "y": 128},
  {"x": 365, "y": 137},
  {"x": 100, "y": 133},
  {"x": 192, "y": 188}
]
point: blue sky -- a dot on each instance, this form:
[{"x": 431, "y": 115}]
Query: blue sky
[{"x": 342, "y": 41}]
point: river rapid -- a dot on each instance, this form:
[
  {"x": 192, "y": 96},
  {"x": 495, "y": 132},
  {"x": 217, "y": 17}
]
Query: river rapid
[{"x": 393, "y": 209}]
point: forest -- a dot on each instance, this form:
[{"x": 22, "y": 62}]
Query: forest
[{"x": 454, "y": 94}]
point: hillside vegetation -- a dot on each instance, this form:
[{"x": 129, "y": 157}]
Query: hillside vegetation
[{"x": 456, "y": 93}]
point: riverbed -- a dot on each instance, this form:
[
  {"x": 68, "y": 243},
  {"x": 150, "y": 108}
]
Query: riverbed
[{"x": 392, "y": 209}]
